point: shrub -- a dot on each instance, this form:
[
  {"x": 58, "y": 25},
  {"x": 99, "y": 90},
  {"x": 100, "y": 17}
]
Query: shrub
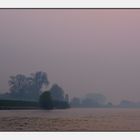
[{"x": 45, "y": 100}]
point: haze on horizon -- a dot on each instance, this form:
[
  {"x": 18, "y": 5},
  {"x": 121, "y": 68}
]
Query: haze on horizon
[{"x": 82, "y": 50}]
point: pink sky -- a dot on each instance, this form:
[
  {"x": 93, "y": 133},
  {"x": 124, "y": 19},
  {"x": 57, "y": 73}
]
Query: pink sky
[{"x": 85, "y": 50}]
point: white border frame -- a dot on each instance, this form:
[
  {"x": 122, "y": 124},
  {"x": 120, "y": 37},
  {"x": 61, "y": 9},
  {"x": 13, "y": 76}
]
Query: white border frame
[
  {"x": 69, "y": 4},
  {"x": 70, "y": 135}
]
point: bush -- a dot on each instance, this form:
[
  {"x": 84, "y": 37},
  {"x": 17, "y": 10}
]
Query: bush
[
  {"x": 60, "y": 104},
  {"x": 45, "y": 100},
  {"x": 17, "y": 104}
]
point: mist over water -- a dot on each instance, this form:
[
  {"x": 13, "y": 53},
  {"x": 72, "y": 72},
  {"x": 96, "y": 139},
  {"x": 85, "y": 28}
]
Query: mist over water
[{"x": 84, "y": 50}]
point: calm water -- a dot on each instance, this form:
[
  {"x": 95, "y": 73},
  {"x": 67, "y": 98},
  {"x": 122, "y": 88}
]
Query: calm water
[{"x": 72, "y": 113}]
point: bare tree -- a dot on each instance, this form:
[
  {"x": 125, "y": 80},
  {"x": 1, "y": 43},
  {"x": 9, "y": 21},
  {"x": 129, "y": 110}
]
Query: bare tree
[{"x": 28, "y": 87}]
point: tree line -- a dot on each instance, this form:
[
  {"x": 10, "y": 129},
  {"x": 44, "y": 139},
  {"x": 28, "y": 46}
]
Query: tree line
[
  {"x": 30, "y": 88},
  {"x": 33, "y": 91}
]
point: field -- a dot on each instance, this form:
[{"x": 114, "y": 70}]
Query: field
[{"x": 70, "y": 120}]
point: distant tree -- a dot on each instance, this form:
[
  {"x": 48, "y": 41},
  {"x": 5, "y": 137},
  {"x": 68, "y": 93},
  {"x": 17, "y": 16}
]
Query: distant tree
[
  {"x": 18, "y": 84},
  {"x": 45, "y": 100},
  {"x": 57, "y": 93},
  {"x": 38, "y": 80},
  {"x": 60, "y": 104},
  {"x": 67, "y": 98},
  {"x": 75, "y": 102},
  {"x": 97, "y": 98},
  {"x": 126, "y": 103},
  {"x": 87, "y": 102},
  {"x": 28, "y": 87},
  {"x": 109, "y": 104}
]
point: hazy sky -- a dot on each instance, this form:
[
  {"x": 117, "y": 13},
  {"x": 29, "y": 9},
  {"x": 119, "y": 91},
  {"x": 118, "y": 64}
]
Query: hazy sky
[{"x": 83, "y": 50}]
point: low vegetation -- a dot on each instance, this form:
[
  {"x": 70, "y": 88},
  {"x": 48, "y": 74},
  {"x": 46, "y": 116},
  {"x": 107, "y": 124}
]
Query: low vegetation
[{"x": 16, "y": 104}]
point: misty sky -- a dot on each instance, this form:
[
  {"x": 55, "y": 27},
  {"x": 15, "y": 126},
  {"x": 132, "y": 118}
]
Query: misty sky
[{"x": 83, "y": 50}]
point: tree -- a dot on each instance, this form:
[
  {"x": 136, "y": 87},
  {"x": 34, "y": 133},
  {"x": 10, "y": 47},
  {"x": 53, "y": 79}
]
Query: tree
[
  {"x": 28, "y": 87},
  {"x": 57, "y": 93},
  {"x": 87, "y": 102},
  {"x": 75, "y": 102},
  {"x": 67, "y": 98},
  {"x": 38, "y": 80},
  {"x": 109, "y": 104},
  {"x": 97, "y": 98},
  {"x": 45, "y": 100},
  {"x": 60, "y": 104},
  {"x": 18, "y": 84}
]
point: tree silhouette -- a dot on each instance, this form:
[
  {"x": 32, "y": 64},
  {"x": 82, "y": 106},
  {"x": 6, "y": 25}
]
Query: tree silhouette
[
  {"x": 57, "y": 93},
  {"x": 67, "y": 98},
  {"x": 96, "y": 97},
  {"x": 28, "y": 87},
  {"x": 18, "y": 84},
  {"x": 38, "y": 80},
  {"x": 45, "y": 100},
  {"x": 75, "y": 102}
]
